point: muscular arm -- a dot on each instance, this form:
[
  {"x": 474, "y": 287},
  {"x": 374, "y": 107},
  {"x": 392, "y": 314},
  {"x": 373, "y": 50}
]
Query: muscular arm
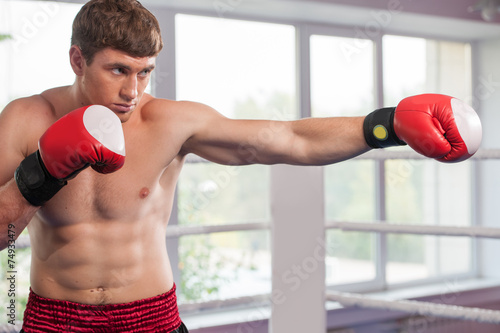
[
  {"x": 17, "y": 140},
  {"x": 312, "y": 141}
]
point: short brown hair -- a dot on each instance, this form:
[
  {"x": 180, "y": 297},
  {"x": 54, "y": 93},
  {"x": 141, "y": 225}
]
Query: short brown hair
[{"x": 124, "y": 25}]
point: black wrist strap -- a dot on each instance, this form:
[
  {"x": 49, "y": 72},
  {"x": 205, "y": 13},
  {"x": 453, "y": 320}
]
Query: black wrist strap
[
  {"x": 379, "y": 129},
  {"x": 35, "y": 183}
]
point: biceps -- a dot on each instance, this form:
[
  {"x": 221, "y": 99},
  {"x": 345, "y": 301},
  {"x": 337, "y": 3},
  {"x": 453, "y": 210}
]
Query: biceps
[{"x": 11, "y": 151}]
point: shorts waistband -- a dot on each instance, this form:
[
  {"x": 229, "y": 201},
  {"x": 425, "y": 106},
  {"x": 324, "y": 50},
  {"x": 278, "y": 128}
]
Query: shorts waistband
[{"x": 155, "y": 314}]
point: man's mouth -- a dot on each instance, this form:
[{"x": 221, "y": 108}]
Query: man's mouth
[{"x": 123, "y": 107}]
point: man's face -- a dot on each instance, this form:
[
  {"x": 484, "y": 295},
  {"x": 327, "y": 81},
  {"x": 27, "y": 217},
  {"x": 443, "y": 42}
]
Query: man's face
[{"x": 117, "y": 80}]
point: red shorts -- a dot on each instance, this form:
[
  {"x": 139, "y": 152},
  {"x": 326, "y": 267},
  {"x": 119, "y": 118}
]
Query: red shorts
[{"x": 156, "y": 314}]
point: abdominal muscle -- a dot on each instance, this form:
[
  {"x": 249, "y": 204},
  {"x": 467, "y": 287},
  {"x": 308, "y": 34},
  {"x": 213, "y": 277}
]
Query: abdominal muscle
[{"x": 103, "y": 263}]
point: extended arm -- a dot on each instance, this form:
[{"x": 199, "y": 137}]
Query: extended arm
[
  {"x": 437, "y": 126},
  {"x": 311, "y": 141}
]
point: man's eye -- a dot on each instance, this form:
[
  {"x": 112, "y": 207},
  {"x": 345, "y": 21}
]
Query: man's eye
[{"x": 117, "y": 71}]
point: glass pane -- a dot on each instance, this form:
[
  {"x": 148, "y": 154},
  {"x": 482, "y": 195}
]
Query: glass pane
[
  {"x": 210, "y": 194},
  {"x": 350, "y": 196},
  {"x": 416, "y": 65},
  {"x": 224, "y": 265},
  {"x": 429, "y": 193},
  {"x": 414, "y": 257},
  {"x": 36, "y": 57},
  {"x": 244, "y": 70},
  {"x": 342, "y": 85},
  {"x": 350, "y": 191},
  {"x": 350, "y": 257},
  {"x": 404, "y": 68},
  {"x": 341, "y": 81}
]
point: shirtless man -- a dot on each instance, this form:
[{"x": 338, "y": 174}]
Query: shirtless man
[{"x": 109, "y": 221}]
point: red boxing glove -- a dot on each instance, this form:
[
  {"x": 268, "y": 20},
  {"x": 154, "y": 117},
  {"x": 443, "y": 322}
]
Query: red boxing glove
[
  {"x": 91, "y": 135},
  {"x": 438, "y": 126}
]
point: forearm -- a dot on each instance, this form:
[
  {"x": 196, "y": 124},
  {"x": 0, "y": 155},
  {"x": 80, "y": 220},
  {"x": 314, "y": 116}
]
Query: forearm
[
  {"x": 15, "y": 212},
  {"x": 321, "y": 141}
]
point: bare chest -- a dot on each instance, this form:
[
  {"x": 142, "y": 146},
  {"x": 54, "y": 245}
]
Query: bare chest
[{"x": 142, "y": 189}]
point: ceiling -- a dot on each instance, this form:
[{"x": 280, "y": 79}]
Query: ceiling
[
  {"x": 443, "y": 18},
  {"x": 443, "y": 8}
]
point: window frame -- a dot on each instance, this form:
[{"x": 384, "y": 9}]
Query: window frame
[
  {"x": 303, "y": 71},
  {"x": 303, "y": 33}
]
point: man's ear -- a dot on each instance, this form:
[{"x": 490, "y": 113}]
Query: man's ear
[{"x": 77, "y": 60}]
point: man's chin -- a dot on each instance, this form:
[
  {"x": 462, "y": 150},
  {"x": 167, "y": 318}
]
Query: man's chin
[{"x": 124, "y": 117}]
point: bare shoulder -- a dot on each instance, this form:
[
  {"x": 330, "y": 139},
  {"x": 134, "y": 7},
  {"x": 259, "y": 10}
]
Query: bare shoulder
[
  {"x": 183, "y": 117},
  {"x": 179, "y": 111},
  {"x": 22, "y": 122},
  {"x": 180, "y": 122},
  {"x": 28, "y": 111}
]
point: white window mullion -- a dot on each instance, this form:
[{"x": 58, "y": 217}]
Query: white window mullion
[
  {"x": 381, "y": 239},
  {"x": 303, "y": 70},
  {"x": 164, "y": 78}
]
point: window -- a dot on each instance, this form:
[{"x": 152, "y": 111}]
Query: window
[
  {"x": 414, "y": 191},
  {"x": 244, "y": 70},
  {"x": 36, "y": 57}
]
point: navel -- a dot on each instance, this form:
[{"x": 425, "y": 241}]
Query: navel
[{"x": 143, "y": 194}]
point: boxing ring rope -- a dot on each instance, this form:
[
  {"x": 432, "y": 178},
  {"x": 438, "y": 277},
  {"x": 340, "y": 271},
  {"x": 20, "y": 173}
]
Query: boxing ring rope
[
  {"x": 175, "y": 231},
  {"x": 435, "y": 230},
  {"x": 417, "y": 307}
]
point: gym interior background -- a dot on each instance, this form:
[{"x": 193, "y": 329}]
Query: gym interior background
[{"x": 258, "y": 248}]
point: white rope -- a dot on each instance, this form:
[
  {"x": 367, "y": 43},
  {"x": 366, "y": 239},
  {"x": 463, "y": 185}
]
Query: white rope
[
  {"x": 417, "y": 229},
  {"x": 177, "y": 231},
  {"x": 417, "y": 307}
]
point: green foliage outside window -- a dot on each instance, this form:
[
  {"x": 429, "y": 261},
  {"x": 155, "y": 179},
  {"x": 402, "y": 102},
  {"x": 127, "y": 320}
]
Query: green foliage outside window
[{"x": 5, "y": 37}]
